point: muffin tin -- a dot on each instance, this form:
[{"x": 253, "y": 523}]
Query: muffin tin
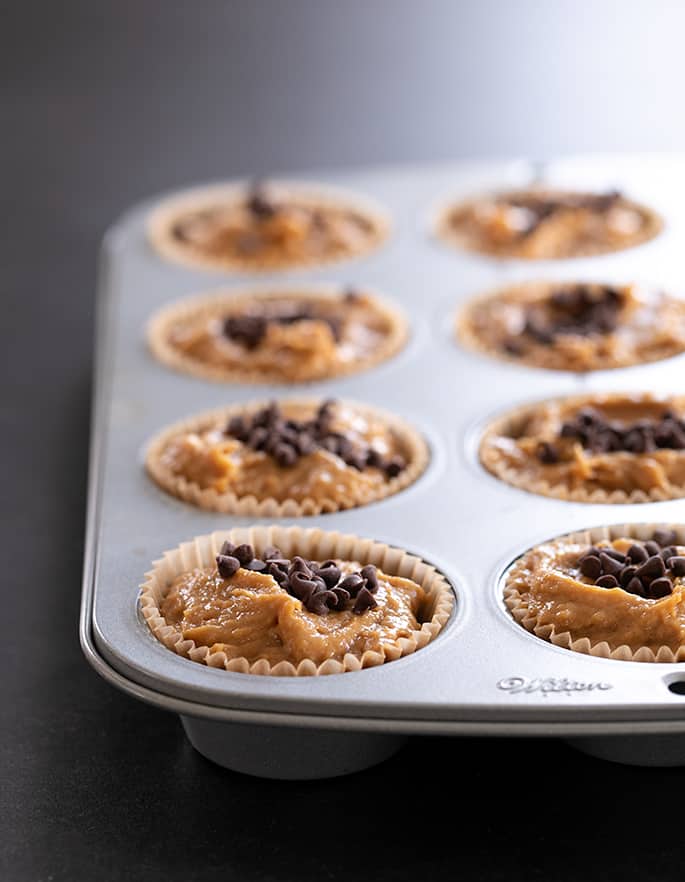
[{"x": 484, "y": 674}]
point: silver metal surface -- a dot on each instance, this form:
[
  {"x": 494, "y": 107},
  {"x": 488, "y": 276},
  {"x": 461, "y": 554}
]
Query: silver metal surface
[{"x": 484, "y": 674}]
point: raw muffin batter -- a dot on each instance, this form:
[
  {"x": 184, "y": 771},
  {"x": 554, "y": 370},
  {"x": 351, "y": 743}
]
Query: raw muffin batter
[
  {"x": 575, "y": 326},
  {"x": 592, "y": 448},
  {"x": 540, "y": 224},
  {"x": 281, "y": 337},
  {"x": 267, "y": 226},
  {"x": 625, "y": 592}
]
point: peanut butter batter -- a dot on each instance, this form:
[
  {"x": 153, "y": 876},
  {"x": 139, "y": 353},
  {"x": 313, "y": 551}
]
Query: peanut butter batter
[
  {"x": 536, "y": 449},
  {"x": 250, "y": 616},
  {"x": 534, "y": 324},
  {"x": 210, "y": 459},
  {"x": 538, "y": 224},
  {"x": 556, "y": 594},
  {"x": 269, "y": 227},
  {"x": 300, "y": 339}
]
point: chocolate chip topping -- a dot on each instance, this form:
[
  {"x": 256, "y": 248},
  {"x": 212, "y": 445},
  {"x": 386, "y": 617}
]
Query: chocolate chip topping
[
  {"x": 580, "y": 310},
  {"x": 320, "y": 587},
  {"x": 541, "y": 206},
  {"x": 287, "y": 440},
  {"x": 599, "y": 435},
  {"x": 249, "y": 330},
  {"x": 259, "y": 203},
  {"x": 647, "y": 569}
]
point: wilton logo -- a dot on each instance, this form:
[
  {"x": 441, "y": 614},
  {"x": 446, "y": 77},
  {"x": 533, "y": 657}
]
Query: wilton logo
[{"x": 547, "y": 685}]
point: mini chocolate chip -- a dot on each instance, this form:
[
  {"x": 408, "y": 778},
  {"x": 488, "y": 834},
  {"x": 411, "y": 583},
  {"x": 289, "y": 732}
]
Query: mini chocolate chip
[
  {"x": 271, "y": 553},
  {"x": 637, "y": 554},
  {"x": 652, "y": 548},
  {"x": 609, "y": 565},
  {"x": 256, "y": 565},
  {"x": 244, "y": 553},
  {"x": 258, "y": 437},
  {"x": 617, "y": 555},
  {"x": 227, "y": 565},
  {"x": 330, "y": 575},
  {"x": 652, "y": 568},
  {"x": 341, "y": 596},
  {"x": 627, "y": 574},
  {"x": 607, "y": 581},
  {"x": 285, "y": 455},
  {"x": 370, "y": 573},
  {"x": 547, "y": 453},
  {"x": 237, "y": 428},
  {"x": 299, "y": 565},
  {"x": 668, "y": 552},
  {"x": 665, "y": 537},
  {"x": 352, "y": 583},
  {"x": 259, "y": 204},
  {"x": 635, "y": 586},
  {"x": 320, "y": 602},
  {"x": 227, "y": 548},
  {"x": 305, "y": 444},
  {"x": 660, "y": 587},
  {"x": 277, "y": 574},
  {"x": 677, "y": 566},
  {"x": 301, "y": 586},
  {"x": 365, "y": 600},
  {"x": 281, "y": 562},
  {"x": 394, "y": 466},
  {"x": 246, "y": 329},
  {"x": 591, "y": 567},
  {"x": 374, "y": 458}
]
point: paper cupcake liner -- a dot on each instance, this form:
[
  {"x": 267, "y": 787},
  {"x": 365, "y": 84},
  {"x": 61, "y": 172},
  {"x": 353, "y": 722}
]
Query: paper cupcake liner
[
  {"x": 506, "y": 424},
  {"x": 468, "y": 339},
  {"x": 249, "y": 506},
  {"x": 521, "y": 613},
  {"x": 652, "y": 227},
  {"x": 162, "y": 220},
  {"x": 213, "y": 305},
  {"x": 313, "y": 544}
]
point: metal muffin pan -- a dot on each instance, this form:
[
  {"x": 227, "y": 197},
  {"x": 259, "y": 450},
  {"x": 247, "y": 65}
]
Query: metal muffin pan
[{"x": 484, "y": 674}]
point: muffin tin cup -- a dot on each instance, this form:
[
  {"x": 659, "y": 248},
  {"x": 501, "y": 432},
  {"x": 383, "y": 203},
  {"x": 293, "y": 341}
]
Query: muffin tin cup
[
  {"x": 312, "y": 544},
  {"x": 484, "y": 674},
  {"x": 521, "y": 613},
  {"x": 227, "y": 502},
  {"x": 213, "y": 305},
  {"x": 507, "y": 424},
  {"x": 162, "y": 218}
]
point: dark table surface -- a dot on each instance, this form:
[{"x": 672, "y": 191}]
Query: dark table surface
[{"x": 104, "y": 104}]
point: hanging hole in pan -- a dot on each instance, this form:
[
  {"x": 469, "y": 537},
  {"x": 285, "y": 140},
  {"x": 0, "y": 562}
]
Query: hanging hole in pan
[{"x": 677, "y": 687}]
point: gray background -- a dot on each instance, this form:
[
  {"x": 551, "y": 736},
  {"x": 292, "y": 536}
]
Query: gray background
[{"x": 104, "y": 103}]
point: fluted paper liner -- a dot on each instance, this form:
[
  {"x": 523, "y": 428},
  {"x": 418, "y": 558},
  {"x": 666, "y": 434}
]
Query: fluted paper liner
[
  {"x": 520, "y": 611},
  {"x": 313, "y": 544},
  {"x": 506, "y": 425},
  {"x": 652, "y": 225},
  {"x": 215, "y": 305},
  {"x": 416, "y": 449},
  {"x": 162, "y": 220}
]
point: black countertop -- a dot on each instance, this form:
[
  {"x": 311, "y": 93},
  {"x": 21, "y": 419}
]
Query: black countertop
[{"x": 104, "y": 104}]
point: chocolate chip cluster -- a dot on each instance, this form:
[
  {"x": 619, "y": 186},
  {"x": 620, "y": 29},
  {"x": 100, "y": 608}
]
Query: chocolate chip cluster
[
  {"x": 647, "y": 569},
  {"x": 542, "y": 206},
  {"x": 580, "y": 310},
  {"x": 600, "y": 435},
  {"x": 250, "y": 330},
  {"x": 286, "y": 440},
  {"x": 321, "y": 587}
]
